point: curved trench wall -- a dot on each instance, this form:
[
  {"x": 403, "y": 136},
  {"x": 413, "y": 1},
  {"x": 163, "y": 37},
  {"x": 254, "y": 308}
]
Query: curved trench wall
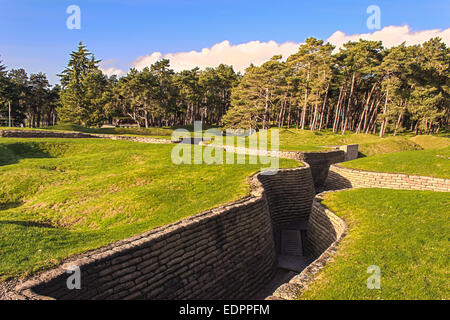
[
  {"x": 289, "y": 201},
  {"x": 320, "y": 163},
  {"x": 343, "y": 178},
  {"x": 325, "y": 231},
  {"x": 324, "y": 228},
  {"x": 224, "y": 253}
]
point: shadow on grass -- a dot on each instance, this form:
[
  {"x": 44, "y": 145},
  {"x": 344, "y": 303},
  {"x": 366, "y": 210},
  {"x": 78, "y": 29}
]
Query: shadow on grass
[
  {"x": 12, "y": 153},
  {"x": 361, "y": 155},
  {"x": 28, "y": 223},
  {"x": 10, "y": 205}
]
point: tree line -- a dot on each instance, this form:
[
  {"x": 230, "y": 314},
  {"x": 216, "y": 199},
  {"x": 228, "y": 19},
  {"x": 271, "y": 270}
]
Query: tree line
[
  {"x": 153, "y": 96},
  {"x": 27, "y": 99},
  {"x": 362, "y": 87}
]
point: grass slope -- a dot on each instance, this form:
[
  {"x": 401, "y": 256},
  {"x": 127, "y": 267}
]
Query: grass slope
[
  {"x": 433, "y": 163},
  {"x": 60, "y": 197},
  {"x": 431, "y": 142},
  {"x": 405, "y": 233}
]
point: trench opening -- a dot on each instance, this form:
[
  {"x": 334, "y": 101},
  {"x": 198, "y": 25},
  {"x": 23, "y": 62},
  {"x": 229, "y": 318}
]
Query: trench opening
[{"x": 293, "y": 256}]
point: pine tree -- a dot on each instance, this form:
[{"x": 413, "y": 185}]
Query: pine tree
[
  {"x": 74, "y": 105},
  {"x": 248, "y": 101},
  {"x": 430, "y": 97},
  {"x": 4, "y": 88}
]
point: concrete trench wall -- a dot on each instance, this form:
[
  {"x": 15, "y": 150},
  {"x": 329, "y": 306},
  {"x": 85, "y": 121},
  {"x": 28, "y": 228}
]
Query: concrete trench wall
[
  {"x": 325, "y": 231},
  {"x": 229, "y": 252},
  {"x": 225, "y": 253},
  {"x": 320, "y": 163},
  {"x": 289, "y": 194},
  {"x": 324, "y": 228},
  {"x": 343, "y": 178}
]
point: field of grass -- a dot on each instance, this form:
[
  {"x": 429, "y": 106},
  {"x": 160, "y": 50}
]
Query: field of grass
[
  {"x": 306, "y": 140},
  {"x": 432, "y": 162},
  {"x": 154, "y": 132},
  {"x": 60, "y": 197},
  {"x": 404, "y": 233},
  {"x": 289, "y": 139}
]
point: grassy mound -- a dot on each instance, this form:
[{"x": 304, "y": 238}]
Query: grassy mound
[
  {"x": 387, "y": 145},
  {"x": 60, "y": 197},
  {"x": 433, "y": 163},
  {"x": 404, "y": 233},
  {"x": 431, "y": 142}
]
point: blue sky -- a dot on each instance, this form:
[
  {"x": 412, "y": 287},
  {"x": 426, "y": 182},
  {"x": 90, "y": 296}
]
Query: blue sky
[{"x": 33, "y": 33}]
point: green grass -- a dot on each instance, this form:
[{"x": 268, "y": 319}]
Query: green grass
[
  {"x": 405, "y": 233},
  {"x": 433, "y": 163},
  {"x": 306, "y": 140},
  {"x": 164, "y": 133},
  {"x": 60, "y": 197},
  {"x": 431, "y": 142},
  {"x": 387, "y": 145},
  {"x": 289, "y": 139},
  {"x": 161, "y": 132}
]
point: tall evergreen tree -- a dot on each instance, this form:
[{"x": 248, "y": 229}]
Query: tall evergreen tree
[{"x": 75, "y": 107}]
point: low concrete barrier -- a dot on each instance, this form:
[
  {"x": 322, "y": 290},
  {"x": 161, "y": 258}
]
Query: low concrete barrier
[{"x": 343, "y": 178}]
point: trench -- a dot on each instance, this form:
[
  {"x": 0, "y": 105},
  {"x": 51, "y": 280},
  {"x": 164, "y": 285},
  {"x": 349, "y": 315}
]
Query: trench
[{"x": 244, "y": 250}]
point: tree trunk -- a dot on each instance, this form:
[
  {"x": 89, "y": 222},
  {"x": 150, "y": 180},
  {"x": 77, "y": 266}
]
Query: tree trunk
[
  {"x": 346, "y": 114},
  {"x": 383, "y": 124},
  {"x": 324, "y": 107},
  {"x": 338, "y": 110},
  {"x": 306, "y": 98}
]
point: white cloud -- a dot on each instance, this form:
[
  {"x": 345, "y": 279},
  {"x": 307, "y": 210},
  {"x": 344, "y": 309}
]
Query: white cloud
[
  {"x": 240, "y": 56},
  {"x": 392, "y": 36},
  {"x": 112, "y": 71},
  {"x": 146, "y": 61}
]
